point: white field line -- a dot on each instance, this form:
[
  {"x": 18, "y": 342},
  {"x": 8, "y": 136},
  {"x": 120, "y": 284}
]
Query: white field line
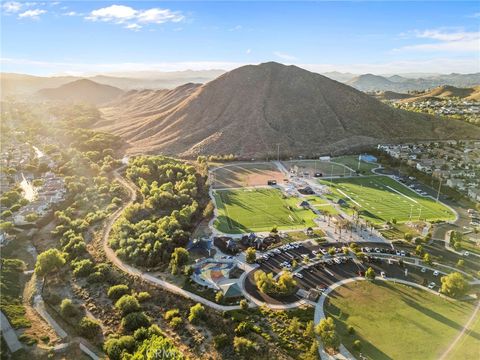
[
  {"x": 398, "y": 192},
  {"x": 348, "y": 196}
]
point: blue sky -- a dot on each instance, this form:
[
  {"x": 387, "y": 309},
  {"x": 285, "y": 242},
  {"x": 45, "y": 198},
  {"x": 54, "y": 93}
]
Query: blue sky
[{"x": 59, "y": 37}]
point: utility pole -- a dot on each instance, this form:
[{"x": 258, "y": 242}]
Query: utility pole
[{"x": 278, "y": 152}]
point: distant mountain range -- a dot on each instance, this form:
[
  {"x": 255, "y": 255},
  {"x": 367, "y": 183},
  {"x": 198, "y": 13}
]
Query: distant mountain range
[
  {"x": 81, "y": 91},
  {"x": 441, "y": 92},
  {"x": 370, "y": 82},
  {"x": 253, "y": 109},
  {"x": 20, "y": 84}
]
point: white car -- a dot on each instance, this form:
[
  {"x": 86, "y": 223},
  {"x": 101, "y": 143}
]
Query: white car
[
  {"x": 337, "y": 260},
  {"x": 300, "y": 276},
  {"x": 436, "y": 273},
  {"x": 466, "y": 253},
  {"x": 431, "y": 285},
  {"x": 402, "y": 253},
  {"x": 423, "y": 270},
  {"x": 277, "y": 251},
  {"x": 382, "y": 274}
]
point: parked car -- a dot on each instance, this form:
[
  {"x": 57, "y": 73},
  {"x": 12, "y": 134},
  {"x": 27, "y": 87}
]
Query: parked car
[
  {"x": 431, "y": 285},
  {"x": 424, "y": 270},
  {"x": 382, "y": 274},
  {"x": 466, "y": 253},
  {"x": 300, "y": 276},
  {"x": 436, "y": 273}
]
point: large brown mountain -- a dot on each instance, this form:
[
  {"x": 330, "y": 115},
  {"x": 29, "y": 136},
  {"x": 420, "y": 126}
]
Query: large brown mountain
[
  {"x": 249, "y": 110},
  {"x": 84, "y": 90}
]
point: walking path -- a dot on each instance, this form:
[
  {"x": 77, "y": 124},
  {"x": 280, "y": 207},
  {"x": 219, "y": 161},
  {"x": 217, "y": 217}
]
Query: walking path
[
  {"x": 471, "y": 319},
  {"x": 9, "y": 334},
  {"x": 39, "y": 306},
  {"x": 145, "y": 276}
]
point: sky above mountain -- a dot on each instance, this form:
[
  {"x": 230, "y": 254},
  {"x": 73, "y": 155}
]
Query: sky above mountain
[{"x": 88, "y": 37}]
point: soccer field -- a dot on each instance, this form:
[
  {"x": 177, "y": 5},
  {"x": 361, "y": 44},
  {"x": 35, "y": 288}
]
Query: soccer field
[
  {"x": 259, "y": 209},
  {"x": 380, "y": 199}
]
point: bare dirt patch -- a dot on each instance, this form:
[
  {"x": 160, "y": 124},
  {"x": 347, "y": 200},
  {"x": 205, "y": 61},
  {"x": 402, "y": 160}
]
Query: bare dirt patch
[{"x": 244, "y": 175}]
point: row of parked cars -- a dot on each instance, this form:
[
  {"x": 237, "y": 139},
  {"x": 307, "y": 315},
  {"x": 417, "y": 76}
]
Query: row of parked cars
[
  {"x": 279, "y": 250},
  {"x": 386, "y": 251}
]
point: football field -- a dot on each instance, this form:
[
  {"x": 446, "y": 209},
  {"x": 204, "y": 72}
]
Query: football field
[
  {"x": 259, "y": 209},
  {"x": 380, "y": 199}
]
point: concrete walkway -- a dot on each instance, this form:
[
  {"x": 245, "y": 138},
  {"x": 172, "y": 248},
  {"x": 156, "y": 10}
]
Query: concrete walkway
[
  {"x": 39, "y": 306},
  {"x": 9, "y": 334}
]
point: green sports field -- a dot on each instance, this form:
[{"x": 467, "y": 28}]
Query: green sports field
[
  {"x": 399, "y": 322},
  {"x": 380, "y": 199},
  {"x": 259, "y": 209}
]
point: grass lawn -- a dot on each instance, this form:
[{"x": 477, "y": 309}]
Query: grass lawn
[
  {"x": 380, "y": 199},
  {"x": 246, "y": 210},
  {"x": 396, "y": 321},
  {"x": 468, "y": 347},
  {"x": 470, "y": 246},
  {"x": 352, "y": 162},
  {"x": 244, "y": 174}
]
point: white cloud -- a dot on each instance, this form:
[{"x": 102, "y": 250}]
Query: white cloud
[
  {"x": 71, "y": 13},
  {"x": 284, "y": 56},
  {"x": 32, "y": 14},
  {"x": 121, "y": 14},
  {"x": 134, "y": 27},
  {"x": 12, "y": 6},
  {"x": 445, "y": 40},
  {"x": 248, "y": 51},
  {"x": 236, "y": 28}
]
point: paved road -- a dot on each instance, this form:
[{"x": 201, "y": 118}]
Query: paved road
[
  {"x": 136, "y": 272},
  {"x": 9, "y": 334}
]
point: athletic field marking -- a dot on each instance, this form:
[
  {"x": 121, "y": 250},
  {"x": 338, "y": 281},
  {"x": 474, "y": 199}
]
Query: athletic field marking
[
  {"x": 408, "y": 197},
  {"x": 341, "y": 192}
]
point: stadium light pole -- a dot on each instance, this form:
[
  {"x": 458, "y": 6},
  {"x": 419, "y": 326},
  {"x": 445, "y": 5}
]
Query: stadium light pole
[{"x": 439, "y": 187}]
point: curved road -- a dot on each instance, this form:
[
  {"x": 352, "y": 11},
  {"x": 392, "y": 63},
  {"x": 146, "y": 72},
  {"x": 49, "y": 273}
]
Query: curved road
[{"x": 136, "y": 272}]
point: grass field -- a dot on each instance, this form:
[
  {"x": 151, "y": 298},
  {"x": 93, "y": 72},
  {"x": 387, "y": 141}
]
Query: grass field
[
  {"x": 244, "y": 175},
  {"x": 396, "y": 321},
  {"x": 313, "y": 166},
  {"x": 260, "y": 209},
  {"x": 380, "y": 199},
  {"x": 468, "y": 347},
  {"x": 352, "y": 162}
]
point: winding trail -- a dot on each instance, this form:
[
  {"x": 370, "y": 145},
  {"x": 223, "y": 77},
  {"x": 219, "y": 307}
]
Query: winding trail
[
  {"x": 471, "y": 319},
  {"x": 138, "y": 273}
]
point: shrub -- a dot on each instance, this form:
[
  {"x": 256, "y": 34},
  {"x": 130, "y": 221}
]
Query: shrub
[
  {"x": 53, "y": 299},
  {"x": 351, "y": 329},
  {"x": 244, "y": 346},
  {"x": 115, "y": 292},
  {"x": 89, "y": 328},
  {"x": 135, "y": 320},
  {"x": 68, "y": 309},
  {"x": 127, "y": 304},
  {"x": 82, "y": 268},
  {"x": 171, "y": 314},
  {"x": 197, "y": 312},
  {"x": 243, "y": 304},
  {"x": 357, "y": 344},
  {"x": 219, "y": 297},
  {"x": 243, "y": 328},
  {"x": 221, "y": 341},
  {"x": 175, "y": 322},
  {"x": 114, "y": 347},
  {"x": 143, "y": 296}
]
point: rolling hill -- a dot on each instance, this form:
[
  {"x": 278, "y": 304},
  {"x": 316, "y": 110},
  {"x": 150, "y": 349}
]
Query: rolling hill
[
  {"x": 85, "y": 91},
  {"x": 253, "y": 109},
  {"x": 445, "y": 92}
]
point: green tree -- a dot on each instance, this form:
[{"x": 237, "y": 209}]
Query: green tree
[
  {"x": 197, "y": 312},
  {"x": 326, "y": 330},
  {"x": 454, "y": 285},
  {"x": 309, "y": 330},
  {"x": 243, "y": 304},
  {"x": 157, "y": 347},
  {"x": 89, "y": 328},
  {"x": 127, "y": 304},
  {"x": 219, "y": 297},
  {"x": 49, "y": 262},
  {"x": 427, "y": 258},
  {"x": 135, "y": 320},
  {"x": 370, "y": 274},
  {"x": 115, "y": 292},
  {"x": 250, "y": 255},
  {"x": 178, "y": 258},
  {"x": 419, "y": 250},
  {"x": 461, "y": 263},
  {"x": 68, "y": 309}
]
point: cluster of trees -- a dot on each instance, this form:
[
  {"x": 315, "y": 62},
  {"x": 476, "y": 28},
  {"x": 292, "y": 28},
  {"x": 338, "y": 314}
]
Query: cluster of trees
[
  {"x": 284, "y": 285},
  {"x": 145, "y": 343},
  {"x": 173, "y": 197},
  {"x": 454, "y": 285}
]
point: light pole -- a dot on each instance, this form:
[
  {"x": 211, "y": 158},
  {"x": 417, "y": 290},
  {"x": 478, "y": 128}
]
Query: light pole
[{"x": 439, "y": 187}]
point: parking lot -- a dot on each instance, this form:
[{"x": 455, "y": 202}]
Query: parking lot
[{"x": 323, "y": 270}]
